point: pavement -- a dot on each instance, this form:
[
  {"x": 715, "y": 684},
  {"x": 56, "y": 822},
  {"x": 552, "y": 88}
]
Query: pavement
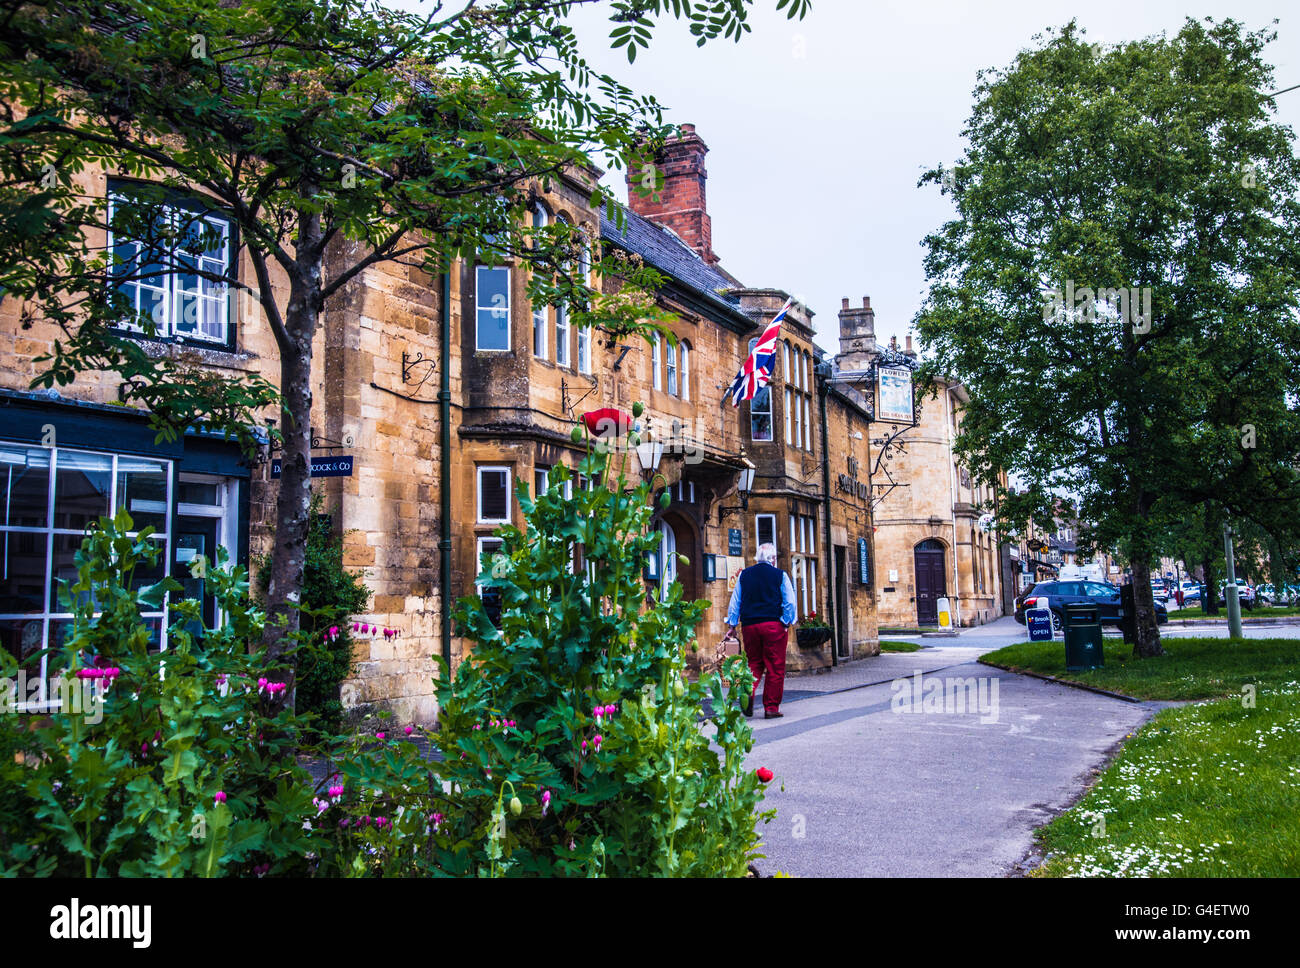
[{"x": 879, "y": 784}]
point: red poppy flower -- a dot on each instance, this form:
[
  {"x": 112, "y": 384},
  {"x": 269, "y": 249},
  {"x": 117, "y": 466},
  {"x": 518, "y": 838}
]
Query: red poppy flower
[
  {"x": 765, "y": 774},
  {"x": 604, "y": 421}
]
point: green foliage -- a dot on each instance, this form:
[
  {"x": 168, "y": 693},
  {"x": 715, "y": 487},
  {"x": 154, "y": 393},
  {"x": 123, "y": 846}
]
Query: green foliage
[
  {"x": 330, "y": 596},
  {"x": 130, "y": 788},
  {"x": 639, "y": 791}
]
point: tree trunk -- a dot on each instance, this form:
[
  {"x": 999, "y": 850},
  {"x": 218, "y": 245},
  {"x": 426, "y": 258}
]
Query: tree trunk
[
  {"x": 1148, "y": 631},
  {"x": 293, "y": 504},
  {"x": 1214, "y": 534},
  {"x": 289, "y": 557}
]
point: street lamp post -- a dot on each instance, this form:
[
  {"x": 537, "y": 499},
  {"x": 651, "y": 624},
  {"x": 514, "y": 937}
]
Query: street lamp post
[{"x": 1230, "y": 587}]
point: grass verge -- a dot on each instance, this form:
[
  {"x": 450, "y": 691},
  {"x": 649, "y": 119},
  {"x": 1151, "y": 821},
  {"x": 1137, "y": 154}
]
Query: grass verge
[
  {"x": 1209, "y": 790},
  {"x": 899, "y": 647},
  {"x": 1193, "y": 668}
]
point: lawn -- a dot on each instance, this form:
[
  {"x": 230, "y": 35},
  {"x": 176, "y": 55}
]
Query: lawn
[
  {"x": 1261, "y": 611},
  {"x": 899, "y": 647},
  {"x": 1207, "y": 790},
  {"x": 1194, "y": 668}
]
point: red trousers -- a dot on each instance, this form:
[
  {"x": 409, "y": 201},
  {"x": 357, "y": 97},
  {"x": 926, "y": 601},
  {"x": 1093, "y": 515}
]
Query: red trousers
[{"x": 765, "y": 644}]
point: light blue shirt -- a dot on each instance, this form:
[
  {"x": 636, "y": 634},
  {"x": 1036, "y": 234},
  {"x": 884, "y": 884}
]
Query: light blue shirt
[{"x": 787, "y": 602}]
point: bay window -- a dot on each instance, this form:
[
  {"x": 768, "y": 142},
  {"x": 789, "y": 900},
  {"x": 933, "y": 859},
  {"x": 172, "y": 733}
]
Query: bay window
[{"x": 175, "y": 273}]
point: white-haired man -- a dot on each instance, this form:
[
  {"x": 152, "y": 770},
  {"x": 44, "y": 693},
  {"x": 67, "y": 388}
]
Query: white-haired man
[{"x": 762, "y": 603}]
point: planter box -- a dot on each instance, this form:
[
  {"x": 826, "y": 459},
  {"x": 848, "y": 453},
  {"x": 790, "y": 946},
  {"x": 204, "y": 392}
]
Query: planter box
[{"x": 811, "y": 638}]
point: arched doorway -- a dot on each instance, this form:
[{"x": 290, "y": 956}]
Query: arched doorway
[
  {"x": 930, "y": 585},
  {"x": 677, "y": 537}
]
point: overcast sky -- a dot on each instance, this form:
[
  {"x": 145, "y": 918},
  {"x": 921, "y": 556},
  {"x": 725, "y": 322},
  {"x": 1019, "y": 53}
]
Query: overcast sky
[{"x": 819, "y": 129}]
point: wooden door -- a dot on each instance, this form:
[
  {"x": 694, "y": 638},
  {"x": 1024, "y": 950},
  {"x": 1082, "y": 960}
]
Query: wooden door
[{"x": 930, "y": 585}]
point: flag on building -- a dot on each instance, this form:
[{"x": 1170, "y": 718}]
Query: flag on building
[{"x": 757, "y": 369}]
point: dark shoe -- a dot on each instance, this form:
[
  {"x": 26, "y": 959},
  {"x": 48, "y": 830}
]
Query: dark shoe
[
  {"x": 773, "y": 715},
  {"x": 749, "y": 706}
]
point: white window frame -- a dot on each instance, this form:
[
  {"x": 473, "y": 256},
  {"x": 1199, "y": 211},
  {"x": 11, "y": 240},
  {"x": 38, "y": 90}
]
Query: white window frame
[
  {"x": 771, "y": 435},
  {"x": 794, "y": 532},
  {"x": 807, "y": 426},
  {"x": 656, "y": 354},
  {"x": 561, "y": 334},
  {"x": 798, "y": 421},
  {"x": 670, "y": 372},
  {"x": 169, "y": 295},
  {"x": 785, "y": 362},
  {"x": 789, "y": 439},
  {"x": 684, "y": 369},
  {"x": 478, "y": 488},
  {"x": 584, "y": 349},
  {"x": 480, "y": 309},
  {"x": 812, "y": 586},
  {"x": 540, "y": 323},
  {"x": 758, "y": 532}
]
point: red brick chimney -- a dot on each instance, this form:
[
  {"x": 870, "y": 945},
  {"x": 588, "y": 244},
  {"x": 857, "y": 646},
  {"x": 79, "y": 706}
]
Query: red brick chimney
[{"x": 680, "y": 204}]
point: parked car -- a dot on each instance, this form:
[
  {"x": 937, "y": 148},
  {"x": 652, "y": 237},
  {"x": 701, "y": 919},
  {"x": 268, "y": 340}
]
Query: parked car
[
  {"x": 1159, "y": 592},
  {"x": 1269, "y": 594},
  {"x": 1060, "y": 593},
  {"x": 1245, "y": 594},
  {"x": 1191, "y": 591}
]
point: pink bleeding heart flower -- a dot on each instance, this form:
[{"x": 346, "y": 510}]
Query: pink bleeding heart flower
[
  {"x": 584, "y": 747},
  {"x": 546, "y": 801},
  {"x": 219, "y": 796},
  {"x": 409, "y": 730},
  {"x": 596, "y": 742}
]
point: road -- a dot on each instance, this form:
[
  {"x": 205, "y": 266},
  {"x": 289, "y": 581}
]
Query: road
[{"x": 877, "y": 784}]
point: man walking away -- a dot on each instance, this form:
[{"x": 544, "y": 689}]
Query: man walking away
[{"x": 762, "y": 603}]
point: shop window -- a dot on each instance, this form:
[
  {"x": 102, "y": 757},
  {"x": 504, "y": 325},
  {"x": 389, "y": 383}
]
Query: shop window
[{"x": 41, "y": 530}]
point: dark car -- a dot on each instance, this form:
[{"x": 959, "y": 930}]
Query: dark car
[{"x": 1059, "y": 593}]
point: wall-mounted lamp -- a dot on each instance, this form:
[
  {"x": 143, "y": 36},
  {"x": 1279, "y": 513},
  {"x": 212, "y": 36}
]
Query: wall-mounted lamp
[
  {"x": 650, "y": 452},
  {"x": 744, "y": 485}
]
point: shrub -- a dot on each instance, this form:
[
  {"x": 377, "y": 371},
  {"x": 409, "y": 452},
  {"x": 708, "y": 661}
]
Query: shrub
[
  {"x": 187, "y": 768},
  {"x": 330, "y": 595},
  {"x": 574, "y": 741}
]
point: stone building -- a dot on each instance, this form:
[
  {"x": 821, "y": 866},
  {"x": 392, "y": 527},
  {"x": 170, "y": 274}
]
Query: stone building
[
  {"x": 930, "y": 524},
  {"x": 519, "y": 378}
]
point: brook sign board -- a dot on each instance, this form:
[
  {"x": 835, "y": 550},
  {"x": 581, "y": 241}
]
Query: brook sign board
[
  {"x": 321, "y": 466},
  {"x": 1039, "y": 623}
]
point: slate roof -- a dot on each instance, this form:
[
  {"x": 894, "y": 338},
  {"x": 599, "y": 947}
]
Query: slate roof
[{"x": 671, "y": 256}]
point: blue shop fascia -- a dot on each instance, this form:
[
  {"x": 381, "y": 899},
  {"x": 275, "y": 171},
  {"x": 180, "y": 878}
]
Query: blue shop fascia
[{"x": 64, "y": 464}]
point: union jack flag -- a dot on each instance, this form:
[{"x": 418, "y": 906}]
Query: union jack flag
[{"x": 756, "y": 371}]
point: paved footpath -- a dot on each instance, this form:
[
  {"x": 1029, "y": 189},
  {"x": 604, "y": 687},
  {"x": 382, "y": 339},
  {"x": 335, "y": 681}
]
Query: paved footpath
[{"x": 871, "y": 791}]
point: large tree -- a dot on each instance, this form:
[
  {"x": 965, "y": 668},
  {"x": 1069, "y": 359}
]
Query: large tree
[
  {"x": 1118, "y": 288},
  {"x": 334, "y": 135}
]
